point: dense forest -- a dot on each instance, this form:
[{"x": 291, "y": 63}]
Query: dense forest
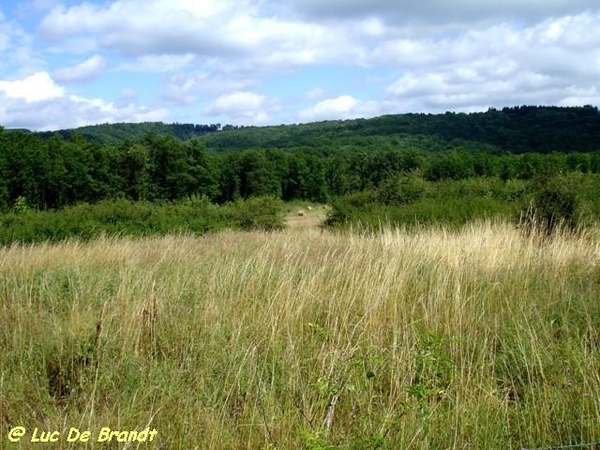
[
  {"x": 309, "y": 162},
  {"x": 516, "y": 130},
  {"x": 401, "y": 168}
]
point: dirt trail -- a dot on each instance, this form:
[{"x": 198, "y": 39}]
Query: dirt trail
[{"x": 309, "y": 217}]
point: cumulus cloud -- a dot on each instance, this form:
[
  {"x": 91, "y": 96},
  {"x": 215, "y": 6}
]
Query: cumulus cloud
[
  {"x": 243, "y": 107},
  {"x": 212, "y": 56},
  {"x": 85, "y": 71},
  {"x": 342, "y": 107},
  {"x": 37, "y": 102},
  {"x": 185, "y": 88},
  {"x": 159, "y": 63},
  {"x": 34, "y": 88},
  {"x": 208, "y": 29},
  {"x": 141, "y": 27},
  {"x": 441, "y": 11},
  {"x": 553, "y": 62}
]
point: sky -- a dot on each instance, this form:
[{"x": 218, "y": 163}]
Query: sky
[{"x": 68, "y": 63}]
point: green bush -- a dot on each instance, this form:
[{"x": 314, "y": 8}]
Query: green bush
[
  {"x": 553, "y": 205},
  {"x": 402, "y": 189},
  {"x": 410, "y": 200},
  {"x": 350, "y": 209},
  {"x": 258, "y": 213},
  {"x": 125, "y": 217}
]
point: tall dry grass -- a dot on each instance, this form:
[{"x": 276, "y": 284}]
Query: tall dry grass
[{"x": 478, "y": 338}]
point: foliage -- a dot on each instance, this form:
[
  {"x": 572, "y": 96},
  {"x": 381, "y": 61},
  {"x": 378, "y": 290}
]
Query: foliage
[
  {"x": 411, "y": 200},
  {"x": 553, "y": 205},
  {"x": 395, "y": 160},
  {"x": 401, "y": 189},
  {"x": 118, "y": 132},
  {"x": 123, "y": 217},
  {"x": 258, "y": 213},
  {"x": 520, "y": 129},
  {"x": 315, "y": 441}
]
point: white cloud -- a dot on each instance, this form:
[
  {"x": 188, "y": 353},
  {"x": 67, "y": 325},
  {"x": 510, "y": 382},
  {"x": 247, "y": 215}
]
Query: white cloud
[
  {"x": 395, "y": 55},
  {"x": 440, "y": 11},
  {"x": 85, "y": 71},
  {"x": 185, "y": 88},
  {"x": 224, "y": 30},
  {"x": 34, "y": 88},
  {"x": 476, "y": 88},
  {"x": 159, "y": 63},
  {"x": 138, "y": 27},
  {"x": 243, "y": 107},
  {"x": 342, "y": 107},
  {"x": 38, "y": 103},
  {"x": 552, "y": 62}
]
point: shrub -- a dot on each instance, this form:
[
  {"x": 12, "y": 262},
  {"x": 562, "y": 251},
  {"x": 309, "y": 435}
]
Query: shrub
[
  {"x": 553, "y": 205},
  {"x": 403, "y": 189},
  {"x": 258, "y": 213},
  {"x": 350, "y": 208},
  {"x": 125, "y": 217}
]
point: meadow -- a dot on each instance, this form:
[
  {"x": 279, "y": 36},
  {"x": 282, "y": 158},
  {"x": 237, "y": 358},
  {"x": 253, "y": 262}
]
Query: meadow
[{"x": 422, "y": 338}]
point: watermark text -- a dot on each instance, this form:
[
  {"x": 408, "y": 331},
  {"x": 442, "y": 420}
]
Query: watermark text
[{"x": 74, "y": 435}]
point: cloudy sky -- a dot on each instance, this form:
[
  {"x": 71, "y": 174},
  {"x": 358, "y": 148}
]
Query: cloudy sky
[{"x": 67, "y": 63}]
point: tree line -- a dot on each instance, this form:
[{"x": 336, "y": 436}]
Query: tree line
[{"x": 58, "y": 172}]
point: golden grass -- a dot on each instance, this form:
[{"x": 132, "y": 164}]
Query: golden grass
[{"x": 479, "y": 338}]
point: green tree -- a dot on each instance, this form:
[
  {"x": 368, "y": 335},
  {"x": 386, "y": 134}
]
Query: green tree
[
  {"x": 134, "y": 170},
  {"x": 170, "y": 175},
  {"x": 202, "y": 170},
  {"x": 80, "y": 185},
  {"x": 336, "y": 175},
  {"x": 581, "y": 162},
  {"x": 229, "y": 178},
  {"x": 26, "y": 161},
  {"x": 317, "y": 185},
  {"x": 454, "y": 166},
  {"x": 508, "y": 168},
  {"x": 295, "y": 184},
  {"x": 3, "y": 173},
  {"x": 258, "y": 175}
]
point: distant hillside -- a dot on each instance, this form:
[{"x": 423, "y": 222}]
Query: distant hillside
[
  {"x": 118, "y": 132},
  {"x": 521, "y": 129},
  {"x": 314, "y": 162},
  {"x": 516, "y": 130}
]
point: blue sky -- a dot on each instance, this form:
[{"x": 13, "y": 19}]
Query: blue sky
[{"x": 69, "y": 63}]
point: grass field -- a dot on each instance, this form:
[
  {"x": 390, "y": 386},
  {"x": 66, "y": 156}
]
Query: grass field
[
  {"x": 306, "y": 216},
  {"x": 304, "y": 339}
]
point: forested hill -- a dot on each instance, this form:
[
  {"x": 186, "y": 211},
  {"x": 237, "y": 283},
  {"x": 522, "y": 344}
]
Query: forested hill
[
  {"x": 118, "y": 132},
  {"x": 315, "y": 162},
  {"x": 522, "y": 129}
]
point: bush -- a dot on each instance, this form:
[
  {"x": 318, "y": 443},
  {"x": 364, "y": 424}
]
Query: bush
[
  {"x": 553, "y": 205},
  {"x": 402, "y": 189},
  {"x": 350, "y": 208},
  {"x": 258, "y": 213},
  {"x": 409, "y": 201},
  {"x": 125, "y": 217}
]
